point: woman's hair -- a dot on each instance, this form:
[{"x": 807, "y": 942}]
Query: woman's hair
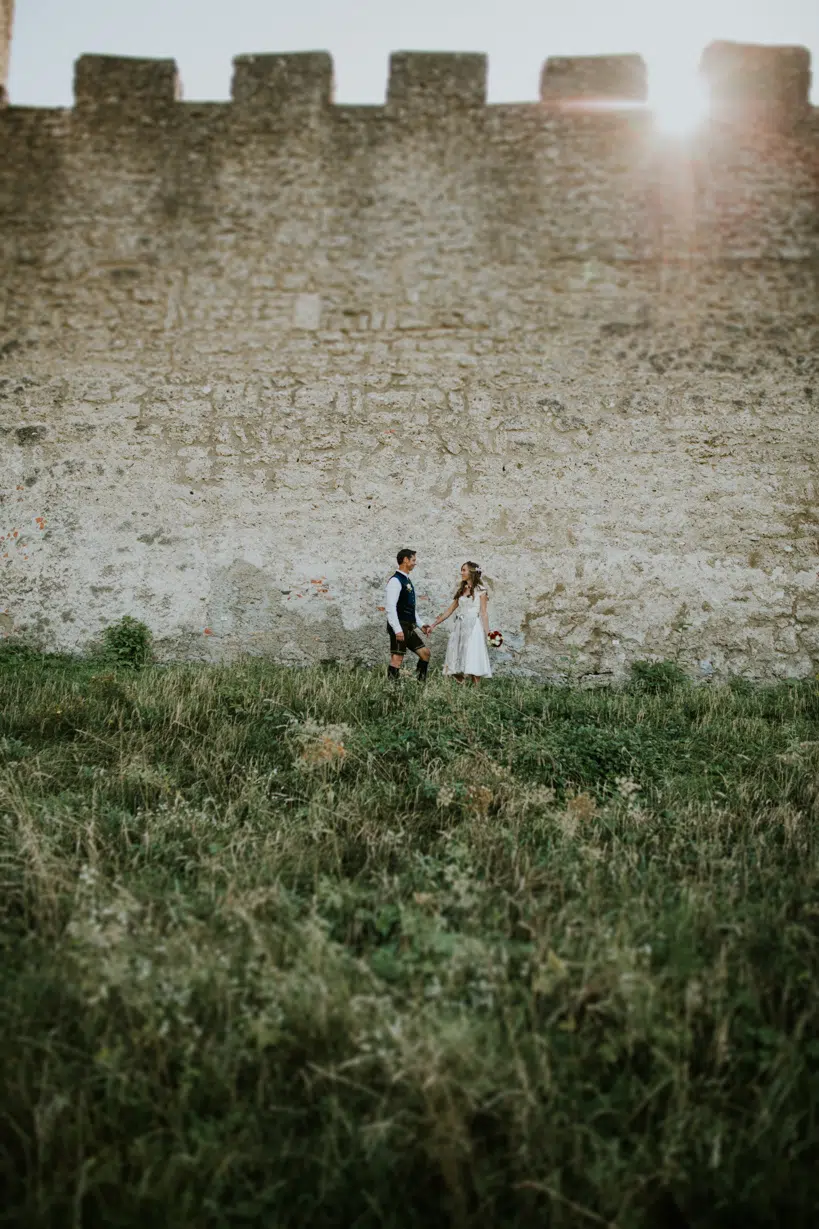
[{"x": 472, "y": 582}]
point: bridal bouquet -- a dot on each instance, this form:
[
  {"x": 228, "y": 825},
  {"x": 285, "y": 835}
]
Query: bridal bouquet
[{"x": 495, "y": 639}]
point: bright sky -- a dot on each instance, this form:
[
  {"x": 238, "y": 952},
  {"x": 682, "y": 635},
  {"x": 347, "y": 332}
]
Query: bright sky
[{"x": 203, "y": 36}]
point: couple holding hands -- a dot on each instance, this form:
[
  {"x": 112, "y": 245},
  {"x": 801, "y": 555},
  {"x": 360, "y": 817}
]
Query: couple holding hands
[{"x": 466, "y": 654}]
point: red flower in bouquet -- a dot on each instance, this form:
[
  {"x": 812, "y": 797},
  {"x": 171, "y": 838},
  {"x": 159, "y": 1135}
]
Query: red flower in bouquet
[{"x": 495, "y": 639}]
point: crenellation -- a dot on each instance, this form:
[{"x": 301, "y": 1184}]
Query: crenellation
[
  {"x": 594, "y": 78},
  {"x": 108, "y": 86},
  {"x": 6, "y": 22},
  {"x": 436, "y": 83},
  {"x": 293, "y": 87},
  {"x": 750, "y": 84}
]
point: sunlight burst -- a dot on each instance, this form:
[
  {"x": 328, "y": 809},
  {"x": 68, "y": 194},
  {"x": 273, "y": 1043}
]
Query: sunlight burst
[{"x": 677, "y": 96}]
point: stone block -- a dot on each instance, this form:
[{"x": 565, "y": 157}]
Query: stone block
[
  {"x": 121, "y": 84},
  {"x": 436, "y": 83},
  {"x": 750, "y": 82},
  {"x": 291, "y": 84},
  {"x": 307, "y": 311},
  {"x": 6, "y": 19},
  {"x": 594, "y": 77}
]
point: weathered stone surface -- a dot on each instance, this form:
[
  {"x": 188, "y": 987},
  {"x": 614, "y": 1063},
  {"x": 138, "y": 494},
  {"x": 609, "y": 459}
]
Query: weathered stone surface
[
  {"x": 292, "y": 88},
  {"x": 249, "y": 349},
  {"x": 6, "y": 19},
  {"x": 124, "y": 85},
  {"x": 589, "y": 77},
  {"x": 436, "y": 82},
  {"x": 751, "y": 83}
]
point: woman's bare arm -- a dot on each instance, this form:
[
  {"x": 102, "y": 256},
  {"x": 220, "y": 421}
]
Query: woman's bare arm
[
  {"x": 485, "y": 612},
  {"x": 446, "y": 613}
]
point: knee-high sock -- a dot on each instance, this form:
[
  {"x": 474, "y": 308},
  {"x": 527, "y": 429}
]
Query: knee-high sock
[
  {"x": 421, "y": 669},
  {"x": 393, "y": 672}
]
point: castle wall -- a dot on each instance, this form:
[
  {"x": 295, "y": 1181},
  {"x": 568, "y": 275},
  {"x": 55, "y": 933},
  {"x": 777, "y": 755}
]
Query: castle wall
[
  {"x": 250, "y": 349},
  {"x": 6, "y": 17}
]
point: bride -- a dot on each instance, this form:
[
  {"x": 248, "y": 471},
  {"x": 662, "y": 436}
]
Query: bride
[{"x": 466, "y": 652}]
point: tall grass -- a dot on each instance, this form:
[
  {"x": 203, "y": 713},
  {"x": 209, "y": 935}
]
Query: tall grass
[{"x": 296, "y": 948}]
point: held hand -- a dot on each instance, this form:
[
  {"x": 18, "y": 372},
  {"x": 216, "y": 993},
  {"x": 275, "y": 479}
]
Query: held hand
[{"x": 427, "y": 628}]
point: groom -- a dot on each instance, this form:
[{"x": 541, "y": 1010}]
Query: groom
[{"x": 401, "y": 621}]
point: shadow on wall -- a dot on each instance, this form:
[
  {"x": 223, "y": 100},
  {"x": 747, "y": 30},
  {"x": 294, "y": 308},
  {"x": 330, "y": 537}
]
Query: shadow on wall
[{"x": 248, "y": 613}]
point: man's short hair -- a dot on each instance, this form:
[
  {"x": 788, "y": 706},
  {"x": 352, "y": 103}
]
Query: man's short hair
[{"x": 406, "y": 553}]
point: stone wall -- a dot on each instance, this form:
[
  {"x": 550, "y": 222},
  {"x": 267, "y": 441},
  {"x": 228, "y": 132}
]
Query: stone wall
[
  {"x": 250, "y": 349},
  {"x": 6, "y": 17}
]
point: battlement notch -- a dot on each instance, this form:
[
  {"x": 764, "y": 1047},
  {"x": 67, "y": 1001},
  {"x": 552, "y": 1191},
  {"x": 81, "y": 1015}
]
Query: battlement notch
[
  {"x": 752, "y": 83},
  {"x": 436, "y": 83}
]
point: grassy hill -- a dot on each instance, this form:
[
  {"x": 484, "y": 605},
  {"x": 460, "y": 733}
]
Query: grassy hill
[{"x": 296, "y": 948}]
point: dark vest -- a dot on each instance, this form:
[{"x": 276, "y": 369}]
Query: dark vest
[{"x": 405, "y": 606}]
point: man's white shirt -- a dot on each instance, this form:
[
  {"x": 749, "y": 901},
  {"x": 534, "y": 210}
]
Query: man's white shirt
[{"x": 393, "y": 593}]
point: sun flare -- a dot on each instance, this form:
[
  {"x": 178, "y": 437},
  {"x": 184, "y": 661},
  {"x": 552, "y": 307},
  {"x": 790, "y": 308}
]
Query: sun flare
[{"x": 677, "y": 96}]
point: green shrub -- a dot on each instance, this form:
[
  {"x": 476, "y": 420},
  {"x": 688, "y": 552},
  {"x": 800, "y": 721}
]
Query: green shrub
[
  {"x": 656, "y": 678},
  {"x": 127, "y": 643},
  {"x": 13, "y": 652}
]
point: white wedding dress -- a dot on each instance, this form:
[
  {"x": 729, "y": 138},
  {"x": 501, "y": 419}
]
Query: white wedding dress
[{"x": 466, "y": 652}]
